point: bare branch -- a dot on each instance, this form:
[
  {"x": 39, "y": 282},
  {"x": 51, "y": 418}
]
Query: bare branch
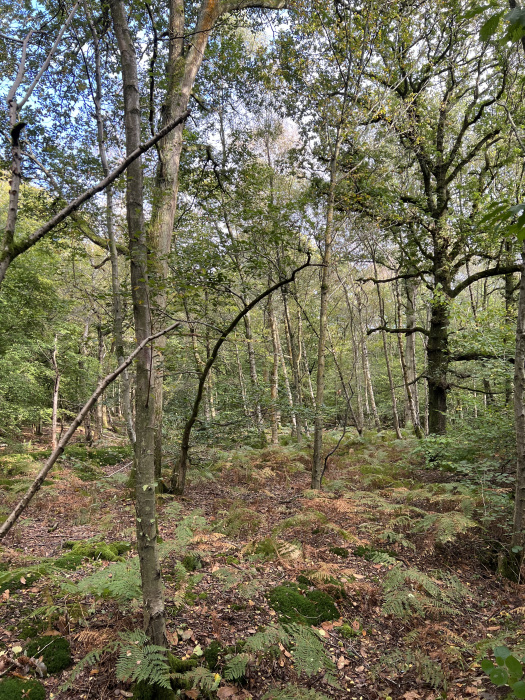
[{"x": 491, "y": 272}]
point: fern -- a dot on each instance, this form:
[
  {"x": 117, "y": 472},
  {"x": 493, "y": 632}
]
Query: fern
[
  {"x": 292, "y": 692},
  {"x": 272, "y": 635},
  {"x": 120, "y": 580},
  {"x": 138, "y": 661},
  {"x": 235, "y": 668},
  {"x": 427, "y": 669},
  {"x": 141, "y": 661},
  {"x": 383, "y": 558},
  {"x": 396, "y": 538},
  {"x": 445, "y": 526},
  {"x": 201, "y": 678},
  {"x": 309, "y": 654},
  {"x": 411, "y": 592}
]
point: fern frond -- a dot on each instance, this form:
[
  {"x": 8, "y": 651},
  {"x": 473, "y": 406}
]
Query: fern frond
[
  {"x": 141, "y": 661},
  {"x": 270, "y": 636},
  {"x": 235, "y": 667},
  {"x": 309, "y": 654},
  {"x": 120, "y": 580}
]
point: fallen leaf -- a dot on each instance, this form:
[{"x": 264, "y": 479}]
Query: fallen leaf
[
  {"x": 226, "y": 691},
  {"x": 173, "y": 638},
  {"x": 360, "y": 669},
  {"x": 411, "y": 695},
  {"x": 342, "y": 662},
  {"x": 22, "y": 579},
  {"x": 327, "y": 625},
  {"x": 192, "y": 693}
]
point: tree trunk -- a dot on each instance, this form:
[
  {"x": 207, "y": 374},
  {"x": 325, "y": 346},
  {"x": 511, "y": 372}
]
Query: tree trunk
[
  {"x": 387, "y": 360},
  {"x": 253, "y": 372},
  {"x": 274, "y": 381},
  {"x": 56, "y": 388},
  {"x": 118, "y": 314},
  {"x": 518, "y": 537},
  {"x": 318, "y": 464},
  {"x": 242, "y": 384},
  {"x": 146, "y": 522},
  {"x": 409, "y": 394},
  {"x": 292, "y": 351},
  {"x": 410, "y": 344},
  {"x": 437, "y": 365}
]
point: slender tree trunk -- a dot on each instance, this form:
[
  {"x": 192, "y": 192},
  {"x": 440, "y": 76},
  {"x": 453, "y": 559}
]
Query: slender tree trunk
[
  {"x": 56, "y": 389},
  {"x": 318, "y": 464},
  {"x": 286, "y": 383},
  {"x": 253, "y": 372},
  {"x": 294, "y": 355},
  {"x": 152, "y": 588},
  {"x": 518, "y": 529},
  {"x": 118, "y": 314},
  {"x": 302, "y": 347},
  {"x": 274, "y": 381},
  {"x": 242, "y": 384},
  {"x": 395, "y": 416},
  {"x": 437, "y": 365},
  {"x": 409, "y": 394},
  {"x": 410, "y": 344}
]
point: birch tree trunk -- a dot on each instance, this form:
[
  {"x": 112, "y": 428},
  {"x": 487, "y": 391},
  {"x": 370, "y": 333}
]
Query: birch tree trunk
[
  {"x": 294, "y": 355},
  {"x": 274, "y": 377},
  {"x": 56, "y": 389}
]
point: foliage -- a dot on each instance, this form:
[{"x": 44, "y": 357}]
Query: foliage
[
  {"x": 240, "y": 521},
  {"x": 55, "y": 650},
  {"x": 507, "y": 671}
]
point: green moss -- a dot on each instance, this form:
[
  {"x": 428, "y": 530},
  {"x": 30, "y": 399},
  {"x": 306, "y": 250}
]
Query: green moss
[
  {"x": 232, "y": 560},
  {"x": 18, "y": 689},
  {"x": 70, "y": 562},
  {"x": 310, "y": 608},
  {"x": 15, "y": 464},
  {"x": 212, "y": 654},
  {"x": 55, "y": 650},
  {"x": 144, "y": 691},
  {"x": 21, "y": 578},
  {"x": 340, "y": 552},
  {"x": 192, "y": 562},
  {"x": 99, "y": 550},
  {"x": 181, "y": 665},
  {"x": 28, "y": 631},
  {"x": 348, "y": 632}
]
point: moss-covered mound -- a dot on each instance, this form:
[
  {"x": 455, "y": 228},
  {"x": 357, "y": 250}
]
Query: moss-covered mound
[
  {"x": 55, "y": 650},
  {"x": 192, "y": 561},
  {"x": 70, "y": 562},
  {"x": 99, "y": 550},
  {"x": 18, "y": 579},
  {"x": 306, "y": 608},
  {"x": 18, "y": 689},
  {"x": 339, "y": 551},
  {"x": 144, "y": 691},
  {"x": 368, "y": 553}
]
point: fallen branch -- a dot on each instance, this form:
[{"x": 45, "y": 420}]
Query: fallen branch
[{"x": 102, "y": 386}]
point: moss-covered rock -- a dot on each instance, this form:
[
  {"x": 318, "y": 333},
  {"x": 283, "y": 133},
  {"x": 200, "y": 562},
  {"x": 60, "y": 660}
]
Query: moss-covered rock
[
  {"x": 99, "y": 550},
  {"x": 55, "y": 650},
  {"x": 18, "y": 689},
  {"x": 339, "y": 551},
  {"x": 306, "y": 608},
  {"x": 369, "y": 552}
]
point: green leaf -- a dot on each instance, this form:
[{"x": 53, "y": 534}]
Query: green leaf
[
  {"x": 519, "y": 690},
  {"x": 499, "y": 676},
  {"x": 487, "y": 665},
  {"x": 501, "y": 654},
  {"x": 514, "y": 666},
  {"x": 490, "y": 27},
  {"x": 516, "y": 17}
]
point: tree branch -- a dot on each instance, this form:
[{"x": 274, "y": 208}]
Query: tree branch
[
  {"x": 231, "y": 5},
  {"x": 406, "y": 331},
  {"x": 491, "y": 272},
  {"x": 407, "y": 276},
  {"x": 99, "y": 187}
]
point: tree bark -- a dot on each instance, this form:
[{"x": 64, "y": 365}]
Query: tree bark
[
  {"x": 253, "y": 372},
  {"x": 274, "y": 376},
  {"x": 56, "y": 388},
  {"x": 294, "y": 357}
]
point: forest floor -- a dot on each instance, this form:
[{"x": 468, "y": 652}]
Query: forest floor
[{"x": 398, "y": 547}]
